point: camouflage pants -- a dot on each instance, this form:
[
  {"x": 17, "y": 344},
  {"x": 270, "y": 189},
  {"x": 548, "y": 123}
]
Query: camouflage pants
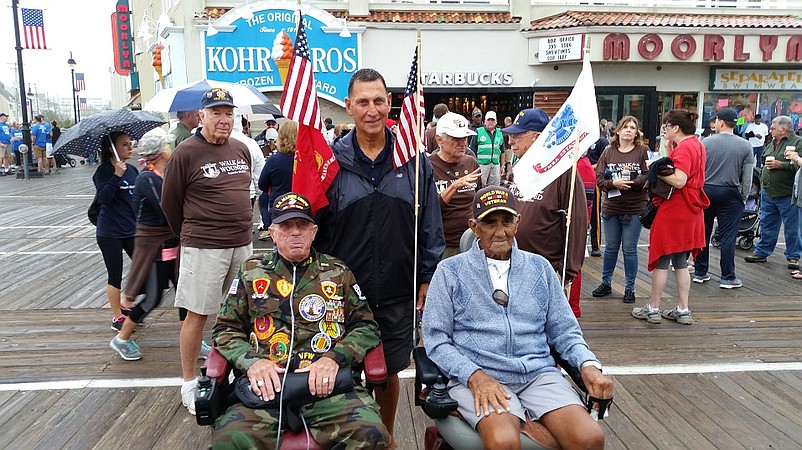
[{"x": 345, "y": 421}]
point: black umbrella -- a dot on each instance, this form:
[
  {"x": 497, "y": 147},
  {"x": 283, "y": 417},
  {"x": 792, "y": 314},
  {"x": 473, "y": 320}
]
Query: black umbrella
[{"x": 85, "y": 137}]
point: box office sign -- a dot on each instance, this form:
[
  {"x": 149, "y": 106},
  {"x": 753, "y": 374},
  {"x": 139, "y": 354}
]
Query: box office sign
[
  {"x": 755, "y": 79},
  {"x": 258, "y": 51},
  {"x": 560, "y": 48}
]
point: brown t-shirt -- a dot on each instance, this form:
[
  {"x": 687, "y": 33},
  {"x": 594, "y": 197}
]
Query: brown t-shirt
[
  {"x": 206, "y": 194},
  {"x": 542, "y": 227},
  {"x": 612, "y": 161},
  {"x": 456, "y": 212}
]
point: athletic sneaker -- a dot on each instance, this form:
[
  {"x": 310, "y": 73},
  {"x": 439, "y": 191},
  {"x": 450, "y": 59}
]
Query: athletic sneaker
[
  {"x": 602, "y": 291},
  {"x": 188, "y": 390},
  {"x": 629, "y": 296},
  {"x": 701, "y": 278},
  {"x": 684, "y": 318},
  {"x": 128, "y": 350},
  {"x": 731, "y": 284},
  {"x": 647, "y": 314},
  {"x": 204, "y": 350},
  {"x": 117, "y": 323}
]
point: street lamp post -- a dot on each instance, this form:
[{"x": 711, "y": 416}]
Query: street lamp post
[
  {"x": 71, "y": 63},
  {"x": 29, "y": 95}
]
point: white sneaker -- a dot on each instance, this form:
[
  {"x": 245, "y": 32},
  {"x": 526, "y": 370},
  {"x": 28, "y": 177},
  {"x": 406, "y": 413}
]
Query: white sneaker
[{"x": 188, "y": 390}]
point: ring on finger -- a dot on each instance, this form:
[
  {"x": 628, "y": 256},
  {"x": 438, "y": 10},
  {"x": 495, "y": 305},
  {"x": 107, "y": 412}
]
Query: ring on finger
[
  {"x": 260, "y": 383},
  {"x": 325, "y": 380}
]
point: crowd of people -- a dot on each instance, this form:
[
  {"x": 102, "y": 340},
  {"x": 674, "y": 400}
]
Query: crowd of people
[
  {"x": 44, "y": 136},
  {"x": 331, "y": 285}
]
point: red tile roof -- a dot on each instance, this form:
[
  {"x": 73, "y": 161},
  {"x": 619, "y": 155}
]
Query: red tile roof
[
  {"x": 403, "y": 16},
  {"x": 570, "y": 19}
]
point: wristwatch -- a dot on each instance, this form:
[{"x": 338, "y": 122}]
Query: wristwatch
[{"x": 593, "y": 363}]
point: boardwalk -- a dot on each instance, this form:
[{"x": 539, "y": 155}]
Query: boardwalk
[{"x": 731, "y": 380}]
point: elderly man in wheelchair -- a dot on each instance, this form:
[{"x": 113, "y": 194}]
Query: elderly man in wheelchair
[
  {"x": 492, "y": 317},
  {"x": 294, "y": 323}
]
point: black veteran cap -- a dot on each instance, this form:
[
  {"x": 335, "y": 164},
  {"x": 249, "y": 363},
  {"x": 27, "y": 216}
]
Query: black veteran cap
[
  {"x": 493, "y": 198},
  {"x": 291, "y": 206},
  {"x": 216, "y": 97}
]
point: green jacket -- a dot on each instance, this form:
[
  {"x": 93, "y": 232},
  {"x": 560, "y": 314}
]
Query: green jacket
[
  {"x": 489, "y": 150},
  {"x": 779, "y": 182},
  {"x": 332, "y": 318}
]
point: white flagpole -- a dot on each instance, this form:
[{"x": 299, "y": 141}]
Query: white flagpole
[
  {"x": 417, "y": 192},
  {"x": 567, "y": 286}
]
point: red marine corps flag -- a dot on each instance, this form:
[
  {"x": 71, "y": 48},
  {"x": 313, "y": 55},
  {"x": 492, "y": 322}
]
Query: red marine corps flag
[{"x": 315, "y": 166}]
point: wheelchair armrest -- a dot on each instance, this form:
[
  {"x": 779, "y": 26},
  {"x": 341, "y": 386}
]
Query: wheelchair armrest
[
  {"x": 426, "y": 371},
  {"x": 574, "y": 372},
  {"x": 217, "y": 366},
  {"x": 375, "y": 366}
]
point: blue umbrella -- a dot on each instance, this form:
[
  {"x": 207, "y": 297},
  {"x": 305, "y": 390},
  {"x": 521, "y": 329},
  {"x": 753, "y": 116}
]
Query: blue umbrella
[
  {"x": 188, "y": 97},
  {"x": 85, "y": 137}
]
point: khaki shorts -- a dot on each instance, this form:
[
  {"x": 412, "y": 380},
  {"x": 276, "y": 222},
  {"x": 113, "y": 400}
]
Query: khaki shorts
[
  {"x": 39, "y": 152},
  {"x": 545, "y": 393},
  {"x": 5, "y": 151},
  {"x": 205, "y": 276}
]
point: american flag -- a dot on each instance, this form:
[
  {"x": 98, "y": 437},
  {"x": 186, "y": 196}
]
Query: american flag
[
  {"x": 34, "y": 28},
  {"x": 408, "y": 141},
  {"x": 299, "y": 99},
  {"x": 80, "y": 85},
  {"x": 315, "y": 166},
  {"x": 82, "y": 105}
]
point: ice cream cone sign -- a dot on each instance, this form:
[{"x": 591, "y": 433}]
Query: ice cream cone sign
[
  {"x": 282, "y": 53},
  {"x": 157, "y": 62}
]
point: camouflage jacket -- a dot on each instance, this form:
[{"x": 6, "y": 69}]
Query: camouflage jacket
[{"x": 332, "y": 318}]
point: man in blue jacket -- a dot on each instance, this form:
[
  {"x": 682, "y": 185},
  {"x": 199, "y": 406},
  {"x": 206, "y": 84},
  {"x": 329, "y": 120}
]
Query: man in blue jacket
[
  {"x": 370, "y": 224},
  {"x": 490, "y": 316}
]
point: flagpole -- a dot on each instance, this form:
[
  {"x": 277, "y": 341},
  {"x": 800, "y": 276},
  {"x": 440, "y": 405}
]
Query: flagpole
[
  {"x": 567, "y": 286},
  {"x": 417, "y": 189}
]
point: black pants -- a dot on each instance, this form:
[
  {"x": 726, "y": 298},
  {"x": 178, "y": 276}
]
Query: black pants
[
  {"x": 595, "y": 220},
  {"x": 162, "y": 273},
  {"x": 112, "y": 251}
]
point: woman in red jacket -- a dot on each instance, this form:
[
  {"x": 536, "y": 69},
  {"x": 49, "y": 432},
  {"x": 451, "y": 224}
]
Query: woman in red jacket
[{"x": 678, "y": 228}]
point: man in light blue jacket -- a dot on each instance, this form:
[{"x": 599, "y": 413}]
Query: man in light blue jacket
[{"x": 490, "y": 316}]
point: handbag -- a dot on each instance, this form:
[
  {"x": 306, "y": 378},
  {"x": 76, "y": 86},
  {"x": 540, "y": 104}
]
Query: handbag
[
  {"x": 295, "y": 388},
  {"x": 93, "y": 211},
  {"x": 648, "y": 214}
]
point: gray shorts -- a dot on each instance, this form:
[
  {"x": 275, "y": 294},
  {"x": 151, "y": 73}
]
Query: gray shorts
[
  {"x": 545, "y": 393},
  {"x": 205, "y": 275}
]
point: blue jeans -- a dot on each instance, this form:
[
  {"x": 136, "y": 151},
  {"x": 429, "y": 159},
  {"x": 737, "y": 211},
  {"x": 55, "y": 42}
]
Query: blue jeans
[
  {"x": 773, "y": 212},
  {"x": 264, "y": 209},
  {"x": 726, "y": 205},
  {"x": 621, "y": 231},
  {"x": 758, "y": 151}
]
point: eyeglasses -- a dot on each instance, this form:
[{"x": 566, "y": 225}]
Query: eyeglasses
[{"x": 501, "y": 297}]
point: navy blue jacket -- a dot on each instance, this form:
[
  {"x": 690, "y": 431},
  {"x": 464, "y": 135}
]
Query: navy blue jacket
[
  {"x": 147, "y": 198},
  {"x": 372, "y": 229},
  {"x": 276, "y": 177},
  {"x": 117, "y": 218}
]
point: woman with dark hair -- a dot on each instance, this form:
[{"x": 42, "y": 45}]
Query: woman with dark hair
[
  {"x": 116, "y": 223},
  {"x": 678, "y": 228},
  {"x": 621, "y": 175}
]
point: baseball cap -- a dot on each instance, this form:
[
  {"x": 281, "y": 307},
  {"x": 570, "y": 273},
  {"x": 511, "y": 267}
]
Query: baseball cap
[
  {"x": 3, "y": 115},
  {"x": 291, "y": 206},
  {"x": 493, "y": 198},
  {"x": 454, "y": 125},
  {"x": 532, "y": 119},
  {"x": 216, "y": 97},
  {"x": 270, "y": 118},
  {"x": 271, "y": 133},
  {"x": 727, "y": 115},
  {"x": 491, "y": 115},
  {"x": 476, "y": 112},
  {"x": 150, "y": 147}
]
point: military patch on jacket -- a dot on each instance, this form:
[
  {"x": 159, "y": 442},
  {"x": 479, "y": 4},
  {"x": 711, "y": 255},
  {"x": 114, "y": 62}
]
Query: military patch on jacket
[
  {"x": 283, "y": 287},
  {"x": 329, "y": 288},
  {"x": 254, "y": 341},
  {"x": 264, "y": 327},
  {"x": 260, "y": 286},
  {"x": 333, "y": 329},
  {"x": 303, "y": 360},
  {"x": 233, "y": 289},
  {"x": 335, "y": 311},
  {"x": 312, "y": 307},
  {"x": 321, "y": 343},
  {"x": 358, "y": 291},
  {"x": 279, "y": 347}
]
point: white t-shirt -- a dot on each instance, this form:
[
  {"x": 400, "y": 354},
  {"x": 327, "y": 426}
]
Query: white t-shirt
[{"x": 760, "y": 129}]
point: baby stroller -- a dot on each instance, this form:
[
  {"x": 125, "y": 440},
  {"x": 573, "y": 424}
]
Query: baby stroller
[
  {"x": 63, "y": 160},
  {"x": 749, "y": 228}
]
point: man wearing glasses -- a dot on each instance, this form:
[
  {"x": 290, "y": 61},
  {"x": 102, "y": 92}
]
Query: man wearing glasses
[{"x": 490, "y": 334}]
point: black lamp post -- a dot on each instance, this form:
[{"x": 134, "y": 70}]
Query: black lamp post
[
  {"x": 29, "y": 95},
  {"x": 71, "y": 63}
]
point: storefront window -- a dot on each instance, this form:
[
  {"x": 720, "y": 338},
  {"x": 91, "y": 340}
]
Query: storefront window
[
  {"x": 744, "y": 102},
  {"x": 608, "y": 107}
]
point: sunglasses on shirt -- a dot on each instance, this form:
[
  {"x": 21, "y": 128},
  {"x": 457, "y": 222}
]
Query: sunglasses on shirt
[{"x": 501, "y": 297}]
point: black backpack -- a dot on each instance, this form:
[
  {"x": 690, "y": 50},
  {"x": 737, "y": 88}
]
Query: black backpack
[{"x": 93, "y": 211}]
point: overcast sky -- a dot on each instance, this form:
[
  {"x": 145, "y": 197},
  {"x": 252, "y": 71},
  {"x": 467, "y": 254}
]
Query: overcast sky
[{"x": 80, "y": 26}]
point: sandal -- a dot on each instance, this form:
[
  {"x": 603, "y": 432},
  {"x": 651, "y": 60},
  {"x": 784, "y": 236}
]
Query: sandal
[{"x": 797, "y": 276}]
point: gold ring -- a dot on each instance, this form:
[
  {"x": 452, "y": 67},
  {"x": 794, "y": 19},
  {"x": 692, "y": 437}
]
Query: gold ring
[
  {"x": 260, "y": 383},
  {"x": 325, "y": 380}
]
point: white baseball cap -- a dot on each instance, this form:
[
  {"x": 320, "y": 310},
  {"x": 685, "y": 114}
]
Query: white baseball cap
[
  {"x": 454, "y": 125},
  {"x": 491, "y": 115}
]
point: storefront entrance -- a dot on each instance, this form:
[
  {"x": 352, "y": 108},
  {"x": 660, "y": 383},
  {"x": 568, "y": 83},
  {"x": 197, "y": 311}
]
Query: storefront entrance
[{"x": 640, "y": 102}]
